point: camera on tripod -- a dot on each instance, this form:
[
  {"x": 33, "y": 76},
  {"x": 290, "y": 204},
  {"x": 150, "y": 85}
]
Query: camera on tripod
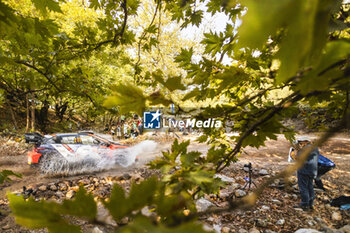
[
  {"x": 249, "y": 166},
  {"x": 248, "y": 180}
]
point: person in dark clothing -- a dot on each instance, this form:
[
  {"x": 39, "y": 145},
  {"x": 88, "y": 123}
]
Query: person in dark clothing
[
  {"x": 324, "y": 165},
  {"x": 306, "y": 174}
]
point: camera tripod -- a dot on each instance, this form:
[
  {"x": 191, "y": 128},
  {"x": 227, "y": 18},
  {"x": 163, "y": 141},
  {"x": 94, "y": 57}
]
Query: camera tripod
[{"x": 248, "y": 180}]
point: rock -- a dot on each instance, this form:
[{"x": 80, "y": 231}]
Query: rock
[
  {"x": 225, "y": 178},
  {"x": 293, "y": 179},
  {"x": 224, "y": 194},
  {"x": 210, "y": 219},
  {"x": 294, "y": 196},
  {"x": 240, "y": 193},
  {"x": 265, "y": 207},
  {"x": 280, "y": 221},
  {"x": 124, "y": 221},
  {"x": 254, "y": 230},
  {"x": 104, "y": 216},
  {"x": 261, "y": 223},
  {"x": 345, "y": 229},
  {"x": 84, "y": 181},
  {"x": 137, "y": 178},
  {"x": 74, "y": 188},
  {"x": 126, "y": 176},
  {"x": 63, "y": 187},
  {"x": 206, "y": 227},
  {"x": 263, "y": 172},
  {"x": 59, "y": 194},
  {"x": 269, "y": 231},
  {"x": 6, "y": 227},
  {"x": 96, "y": 230},
  {"x": 234, "y": 186},
  {"x": 70, "y": 194},
  {"x": 311, "y": 223},
  {"x": 203, "y": 204},
  {"x": 317, "y": 190},
  {"x": 326, "y": 229},
  {"x": 217, "y": 228},
  {"x": 42, "y": 188},
  {"x": 242, "y": 231},
  {"x": 225, "y": 230},
  {"x": 305, "y": 230},
  {"x": 146, "y": 211},
  {"x": 319, "y": 220},
  {"x": 336, "y": 216},
  {"x": 53, "y": 187},
  {"x": 101, "y": 192},
  {"x": 277, "y": 202}
]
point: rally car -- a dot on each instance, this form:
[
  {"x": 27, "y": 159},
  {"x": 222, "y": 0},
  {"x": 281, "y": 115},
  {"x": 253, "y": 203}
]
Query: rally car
[{"x": 67, "y": 145}]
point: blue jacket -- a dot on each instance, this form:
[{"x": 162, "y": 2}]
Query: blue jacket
[{"x": 310, "y": 166}]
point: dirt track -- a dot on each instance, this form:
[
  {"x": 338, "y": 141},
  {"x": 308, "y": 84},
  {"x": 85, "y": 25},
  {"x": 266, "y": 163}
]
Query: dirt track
[{"x": 272, "y": 156}]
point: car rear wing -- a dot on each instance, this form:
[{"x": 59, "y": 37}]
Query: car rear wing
[{"x": 33, "y": 138}]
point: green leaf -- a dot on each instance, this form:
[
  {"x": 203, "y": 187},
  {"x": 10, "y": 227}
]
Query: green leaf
[
  {"x": 144, "y": 225},
  {"x": 140, "y": 195},
  {"x": 128, "y": 97},
  {"x": 262, "y": 20},
  {"x": 178, "y": 149},
  {"x": 41, "y": 214},
  {"x": 118, "y": 206},
  {"x": 83, "y": 205},
  {"x": 302, "y": 25},
  {"x": 4, "y": 175},
  {"x": 44, "y": 5},
  {"x": 185, "y": 57},
  {"x": 213, "y": 43},
  {"x": 201, "y": 176},
  {"x": 172, "y": 83},
  {"x": 196, "y": 18},
  {"x": 133, "y": 5},
  {"x": 188, "y": 159},
  {"x": 214, "y": 155},
  {"x": 152, "y": 29},
  {"x": 157, "y": 98},
  {"x": 203, "y": 138},
  {"x": 322, "y": 75},
  {"x": 7, "y": 15},
  {"x": 192, "y": 94}
]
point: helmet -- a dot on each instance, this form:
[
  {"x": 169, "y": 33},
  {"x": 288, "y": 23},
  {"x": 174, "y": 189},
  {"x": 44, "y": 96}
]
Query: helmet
[{"x": 303, "y": 139}]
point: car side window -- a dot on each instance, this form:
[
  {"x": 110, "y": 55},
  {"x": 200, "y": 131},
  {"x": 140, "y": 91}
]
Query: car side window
[
  {"x": 70, "y": 140},
  {"x": 88, "y": 140}
]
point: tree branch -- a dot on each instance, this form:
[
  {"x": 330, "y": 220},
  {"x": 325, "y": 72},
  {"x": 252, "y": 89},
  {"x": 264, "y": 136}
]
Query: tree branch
[
  {"x": 143, "y": 35},
  {"x": 250, "y": 200},
  {"x": 226, "y": 160},
  {"x": 40, "y": 72}
]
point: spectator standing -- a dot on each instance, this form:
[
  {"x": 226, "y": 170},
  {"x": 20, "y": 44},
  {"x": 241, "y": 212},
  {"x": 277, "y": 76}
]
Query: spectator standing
[{"x": 306, "y": 174}]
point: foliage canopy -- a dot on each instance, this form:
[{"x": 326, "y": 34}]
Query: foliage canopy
[{"x": 298, "y": 49}]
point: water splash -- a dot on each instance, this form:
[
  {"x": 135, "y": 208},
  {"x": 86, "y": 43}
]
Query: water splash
[{"x": 92, "y": 159}]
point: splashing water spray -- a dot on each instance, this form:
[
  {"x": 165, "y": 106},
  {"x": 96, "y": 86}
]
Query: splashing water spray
[{"x": 92, "y": 159}]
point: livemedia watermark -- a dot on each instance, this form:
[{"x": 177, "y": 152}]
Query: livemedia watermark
[{"x": 157, "y": 120}]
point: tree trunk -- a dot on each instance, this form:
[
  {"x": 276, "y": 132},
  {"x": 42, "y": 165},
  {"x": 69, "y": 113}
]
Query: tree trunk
[
  {"x": 33, "y": 114},
  {"x": 104, "y": 119},
  {"x": 28, "y": 113},
  {"x": 347, "y": 105},
  {"x": 12, "y": 115}
]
